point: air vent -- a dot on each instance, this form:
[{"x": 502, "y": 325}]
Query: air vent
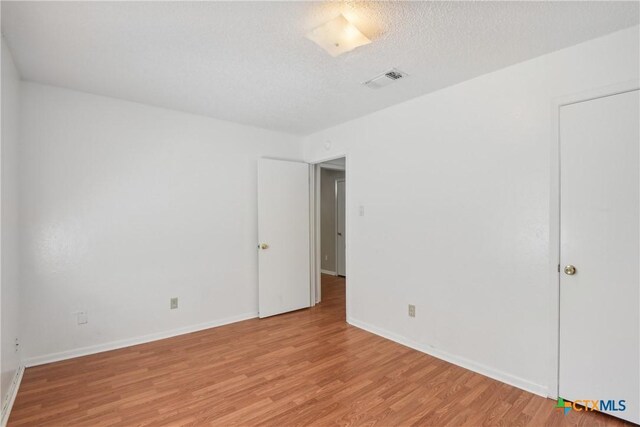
[
  {"x": 385, "y": 79},
  {"x": 394, "y": 75}
]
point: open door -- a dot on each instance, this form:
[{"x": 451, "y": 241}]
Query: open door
[{"x": 283, "y": 237}]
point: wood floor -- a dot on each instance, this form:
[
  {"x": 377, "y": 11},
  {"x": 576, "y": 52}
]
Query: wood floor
[{"x": 303, "y": 368}]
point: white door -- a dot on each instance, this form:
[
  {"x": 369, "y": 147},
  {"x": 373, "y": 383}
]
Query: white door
[
  {"x": 340, "y": 221},
  {"x": 600, "y": 206},
  {"x": 283, "y": 237}
]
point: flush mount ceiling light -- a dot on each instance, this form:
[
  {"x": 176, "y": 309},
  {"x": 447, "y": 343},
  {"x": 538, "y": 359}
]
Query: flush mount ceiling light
[{"x": 337, "y": 36}]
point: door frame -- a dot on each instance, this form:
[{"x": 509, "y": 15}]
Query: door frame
[
  {"x": 336, "y": 221},
  {"x": 316, "y": 251},
  {"x": 554, "y": 215}
]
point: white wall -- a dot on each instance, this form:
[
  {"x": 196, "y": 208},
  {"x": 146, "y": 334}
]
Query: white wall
[
  {"x": 9, "y": 291},
  {"x": 457, "y": 221},
  {"x": 125, "y": 206}
]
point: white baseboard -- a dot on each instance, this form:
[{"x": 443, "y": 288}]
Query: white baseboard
[
  {"x": 332, "y": 273},
  {"x": 12, "y": 393},
  {"x": 512, "y": 380},
  {"x": 114, "y": 345}
]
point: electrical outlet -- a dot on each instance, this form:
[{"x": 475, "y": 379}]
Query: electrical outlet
[
  {"x": 174, "y": 303},
  {"x": 326, "y": 257},
  {"x": 361, "y": 210},
  {"x": 82, "y": 317},
  {"x": 412, "y": 310},
  {"x": 17, "y": 346}
]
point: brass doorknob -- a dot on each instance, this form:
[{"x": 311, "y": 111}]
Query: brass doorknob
[
  {"x": 570, "y": 270},
  {"x": 263, "y": 246}
]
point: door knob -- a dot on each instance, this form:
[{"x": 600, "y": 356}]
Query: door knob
[
  {"x": 570, "y": 270},
  {"x": 339, "y": 234},
  {"x": 263, "y": 246}
]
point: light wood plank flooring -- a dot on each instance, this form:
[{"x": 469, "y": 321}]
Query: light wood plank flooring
[{"x": 303, "y": 368}]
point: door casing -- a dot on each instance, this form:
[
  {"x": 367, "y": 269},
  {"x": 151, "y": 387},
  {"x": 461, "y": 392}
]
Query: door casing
[{"x": 316, "y": 291}]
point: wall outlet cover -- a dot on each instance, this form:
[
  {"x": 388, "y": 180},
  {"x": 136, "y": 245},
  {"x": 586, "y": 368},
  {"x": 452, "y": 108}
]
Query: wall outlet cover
[
  {"x": 412, "y": 310},
  {"x": 83, "y": 318},
  {"x": 174, "y": 303}
]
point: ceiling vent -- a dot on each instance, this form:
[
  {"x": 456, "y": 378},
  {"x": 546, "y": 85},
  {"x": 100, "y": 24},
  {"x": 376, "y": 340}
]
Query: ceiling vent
[{"x": 385, "y": 79}]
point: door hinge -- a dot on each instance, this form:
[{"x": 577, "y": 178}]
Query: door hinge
[{"x": 558, "y": 268}]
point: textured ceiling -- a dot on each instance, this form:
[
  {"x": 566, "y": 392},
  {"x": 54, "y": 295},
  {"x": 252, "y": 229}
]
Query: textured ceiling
[{"x": 249, "y": 62}]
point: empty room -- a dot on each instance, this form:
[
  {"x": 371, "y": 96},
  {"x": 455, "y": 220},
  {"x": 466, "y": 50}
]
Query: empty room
[{"x": 315, "y": 213}]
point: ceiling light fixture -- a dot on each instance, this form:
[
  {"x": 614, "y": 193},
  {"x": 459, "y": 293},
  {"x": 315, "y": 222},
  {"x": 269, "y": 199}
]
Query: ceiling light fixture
[{"x": 338, "y": 36}]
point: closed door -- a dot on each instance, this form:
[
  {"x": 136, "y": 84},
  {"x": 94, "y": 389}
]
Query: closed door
[
  {"x": 284, "y": 280},
  {"x": 599, "y": 254},
  {"x": 340, "y": 225}
]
